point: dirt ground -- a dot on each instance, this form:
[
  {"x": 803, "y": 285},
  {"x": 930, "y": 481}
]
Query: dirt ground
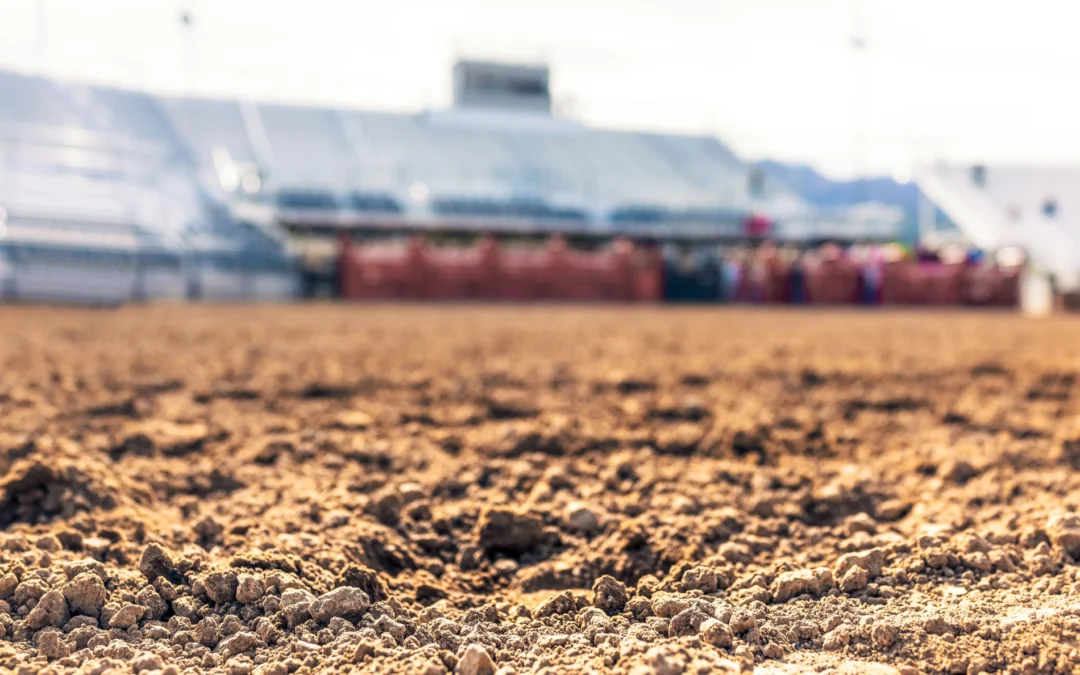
[{"x": 475, "y": 490}]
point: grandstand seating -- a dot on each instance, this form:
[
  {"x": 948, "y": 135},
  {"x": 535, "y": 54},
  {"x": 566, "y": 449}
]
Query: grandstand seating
[
  {"x": 374, "y": 202},
  {"x": 308, "y": 148},
  {"x": 101, "y": 202},
  {"x": 313, "y": 156},
  {"x": 135, "y": 116},
  {"x": 642, "y": 214},
  {"x": 305, "y": 198},
  {"x": 174, "y": 169},
  {"x": 530, "y": 209},
  {"x": 697, "y": 159},
  {"x": 204, "y": 125},
  {"x": 35, "y": 101},
  {"x": 480, "y": 164},
  {"x": 633, "y": 214},
  {"x": 474, "y": 167}
]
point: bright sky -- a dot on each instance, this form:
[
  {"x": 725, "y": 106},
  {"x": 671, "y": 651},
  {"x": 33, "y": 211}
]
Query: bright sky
[{"x": 964, "y": 80}]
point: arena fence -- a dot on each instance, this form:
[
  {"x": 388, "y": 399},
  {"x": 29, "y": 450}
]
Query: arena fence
[{"x": 418, "y": 269}]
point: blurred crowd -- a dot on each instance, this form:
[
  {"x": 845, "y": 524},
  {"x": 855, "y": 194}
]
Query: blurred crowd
[{"x": 889, "y": 274}]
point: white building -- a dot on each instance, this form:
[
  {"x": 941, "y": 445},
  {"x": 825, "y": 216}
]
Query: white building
[{"x": 1035, "y": 208}]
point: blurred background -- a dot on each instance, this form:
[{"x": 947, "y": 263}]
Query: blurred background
[{"x": 841, "y": 151}]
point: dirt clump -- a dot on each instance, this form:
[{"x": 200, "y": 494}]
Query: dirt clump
[{"x": 509, "y": 531}]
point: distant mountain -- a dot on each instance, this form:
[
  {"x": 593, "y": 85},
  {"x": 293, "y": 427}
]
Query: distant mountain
[
  {"x": 818, "y": 189},
  {"x": 825, "y": 192}
]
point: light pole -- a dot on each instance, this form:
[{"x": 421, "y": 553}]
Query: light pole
[
  {"x": 187, "y": 26},
  {"x": 41, "y": 21},
  {"x": 858, "y": 99}
]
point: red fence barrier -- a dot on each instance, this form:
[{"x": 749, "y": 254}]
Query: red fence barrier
[
  {"x": 832, "y": 281},
  {"x": 625, "y": 272},
  {"x": 415, "y": 270},
  {"x": 940, "y": 284},
  {"x": 993, "y": 286},
  {"x": 381, "y": 271},
  {"x": 765, "y": 279},
  {"x": 838, "y": 280}
]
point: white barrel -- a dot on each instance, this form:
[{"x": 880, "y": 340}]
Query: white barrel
[{"x": 1036, "y": 293}]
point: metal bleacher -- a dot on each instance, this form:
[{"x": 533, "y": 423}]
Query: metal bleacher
[
  {"x": 35, "y": 101},
  {"x": 616, "y": 181},
  {"x": 100, "y": 202},
  {"x": 702, "y": 162},
  {"x": 210, "y": 182},
  {"x": 308, "y": 149},
  {"x": 493, "y": 170},
  {"x": 206, "y": 124}
]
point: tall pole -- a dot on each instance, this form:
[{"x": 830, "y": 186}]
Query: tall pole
[
  {"x": 41, "y": 21},
  {"x": 858, "y": 98},
  {"x": 187, "y": 26}
]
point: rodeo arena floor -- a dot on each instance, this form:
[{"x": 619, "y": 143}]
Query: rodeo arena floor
[{"x": 551, "y": 489}]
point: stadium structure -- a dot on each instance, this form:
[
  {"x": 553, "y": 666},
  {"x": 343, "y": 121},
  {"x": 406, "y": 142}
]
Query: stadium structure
[
  {"x": 1033, "y": 208},
  {"x": 109, "y": 195}
]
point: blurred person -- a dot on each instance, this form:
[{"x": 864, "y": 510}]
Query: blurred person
[
  {"x": 735, "y": 263},
  {"x": 869, "y": 261},
  {"x": 775, "y": 272},
  {"x": 926, "y": 255},
  {"x": 834, "y": 278},
  {"x": 757, "y": 226},
  {"x": 711, "y": 277},
  {"x": 797, "y": 279},
  {"x": 755, "y": 271}
]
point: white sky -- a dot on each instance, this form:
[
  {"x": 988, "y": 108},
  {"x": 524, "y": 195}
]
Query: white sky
[{"x": 954, "y": 79}]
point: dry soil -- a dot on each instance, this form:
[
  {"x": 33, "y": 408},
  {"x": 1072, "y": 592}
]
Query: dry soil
[{"x": 478, "y": 489}]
